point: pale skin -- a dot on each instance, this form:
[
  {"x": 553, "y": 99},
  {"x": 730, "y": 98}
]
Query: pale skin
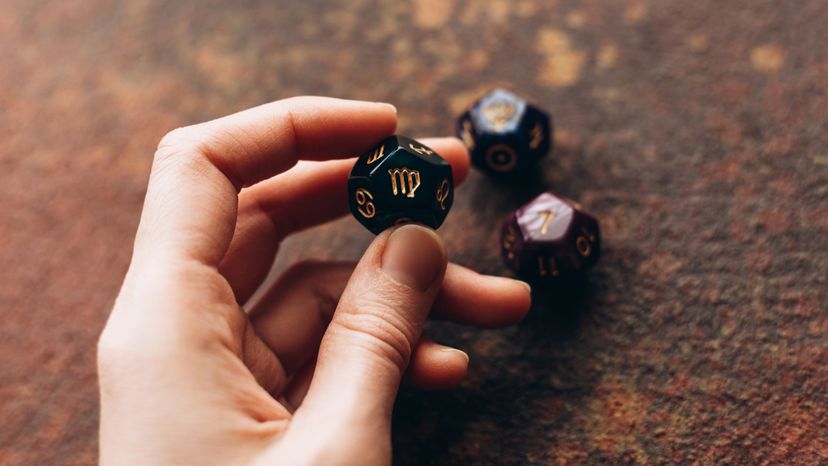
[{"x": 309, "y": 375}]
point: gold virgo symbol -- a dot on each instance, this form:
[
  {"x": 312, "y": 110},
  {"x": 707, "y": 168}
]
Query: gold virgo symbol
[{"x": 407, "y": 179}]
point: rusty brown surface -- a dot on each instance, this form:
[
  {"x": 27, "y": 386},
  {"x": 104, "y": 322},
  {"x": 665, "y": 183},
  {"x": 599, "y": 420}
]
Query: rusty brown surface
[{"x": 695, "y": 131}]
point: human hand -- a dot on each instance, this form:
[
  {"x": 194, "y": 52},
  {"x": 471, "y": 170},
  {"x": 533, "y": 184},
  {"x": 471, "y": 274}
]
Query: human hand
[{"x": 310, "y": 375}]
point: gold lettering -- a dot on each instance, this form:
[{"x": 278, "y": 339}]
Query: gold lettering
[
  {"x": 376, "y": 155},
  {"x": 420, "y": 149},
  {"x": 537, "y": 136},
  {"x": 404, "y": 181},
  {"x": 442, "y": 193},
  {"x": 548, "y": 216},
  {"x": 363, "y": 199}
]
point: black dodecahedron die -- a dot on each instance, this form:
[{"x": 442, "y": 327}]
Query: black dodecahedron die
[
  {"x": 550, "y": 237},
  {"x": 505, "y": 134},
  {"x": 400, "y": 180}
]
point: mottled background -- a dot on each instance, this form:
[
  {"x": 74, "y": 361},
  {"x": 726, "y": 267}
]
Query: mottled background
[{"x": 695, "y": 130}]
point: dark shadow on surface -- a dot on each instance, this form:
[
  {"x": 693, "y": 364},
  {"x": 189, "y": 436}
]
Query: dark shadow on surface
[{"x": 559, "y": 307}]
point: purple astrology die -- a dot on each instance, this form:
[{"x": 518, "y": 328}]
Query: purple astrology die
[{"x": 550, "y": 238}]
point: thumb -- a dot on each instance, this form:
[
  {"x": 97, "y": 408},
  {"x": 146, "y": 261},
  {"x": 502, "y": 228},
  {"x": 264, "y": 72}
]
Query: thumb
[{"x": 367, "y": 346}]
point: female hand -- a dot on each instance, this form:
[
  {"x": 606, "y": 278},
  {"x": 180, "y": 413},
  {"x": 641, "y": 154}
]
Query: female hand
[{"x": 309, "y": 376}]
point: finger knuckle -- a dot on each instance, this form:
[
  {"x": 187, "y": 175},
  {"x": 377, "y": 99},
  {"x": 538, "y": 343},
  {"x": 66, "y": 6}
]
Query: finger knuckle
[
  {"x": 380, "y": 332},
  {"x": 180, "y": 143}
]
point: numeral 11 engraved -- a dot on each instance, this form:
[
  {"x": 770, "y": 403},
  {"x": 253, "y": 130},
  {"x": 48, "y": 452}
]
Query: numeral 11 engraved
[{"x": 547, "y": 266}]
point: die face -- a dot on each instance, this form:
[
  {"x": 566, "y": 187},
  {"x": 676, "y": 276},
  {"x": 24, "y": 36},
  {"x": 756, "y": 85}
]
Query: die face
[
  {"x": 545, "y": 218},
  {"x": 498, "y": 112},
  {"x": 504, "y": 134},
  {"x": 551, "y": 238},
  {"x": 400, "y": 180}
]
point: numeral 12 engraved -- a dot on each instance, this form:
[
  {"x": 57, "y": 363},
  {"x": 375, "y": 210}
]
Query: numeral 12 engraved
[
  {"x": 363, "y": 198},
  {"x": 548, "y": 216},
  {"x": 404, "y": 181},
  {"x": 547, "y": 267},
  {"x": 442, "y": 193},
  {"x": 377, "y": 154}
]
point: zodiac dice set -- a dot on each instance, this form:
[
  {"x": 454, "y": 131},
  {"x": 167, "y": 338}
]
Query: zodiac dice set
[{"x": 401, "y": 180}]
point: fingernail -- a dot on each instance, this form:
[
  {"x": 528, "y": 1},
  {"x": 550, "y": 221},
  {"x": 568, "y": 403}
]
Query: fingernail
[
  {"x": 415, "y": 256},
  {"x": 525, "y": 285},
  {"x": 386, "y": 104},
  {"x": 456, "y": 351}
]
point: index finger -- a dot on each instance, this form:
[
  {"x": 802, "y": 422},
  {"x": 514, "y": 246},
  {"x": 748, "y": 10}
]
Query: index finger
[{"x": 191, "y": 202}]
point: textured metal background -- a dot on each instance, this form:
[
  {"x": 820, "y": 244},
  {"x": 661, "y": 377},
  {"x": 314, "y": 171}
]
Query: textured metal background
[{"x": 695, "y": 131}]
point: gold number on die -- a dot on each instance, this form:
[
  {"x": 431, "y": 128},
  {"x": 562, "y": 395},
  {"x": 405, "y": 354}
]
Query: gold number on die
[
  {"x": 548, "y": 216},
  {"x": 544, "y": 269}
]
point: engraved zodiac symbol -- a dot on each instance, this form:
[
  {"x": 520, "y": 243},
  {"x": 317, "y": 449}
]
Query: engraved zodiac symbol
[
  {"x": 420, "y": 149},
  {"x": 549, "y": 215},
  {"x": 499, "y": 113},
  {"x": 537, "y": 136},
  {"x": 376, "y": 155},
  {"x": 363, "y": 199},
  {"x": 404, "y": 180},
  {"x": 501, "y": 158},
  {"x": 509, "y": 241},
  {"x": 543, "y": 270},
  {"x": 584, "y": 242},
  {"x": 442, "y": 193},
  {"x": 466, "y": 134}
]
